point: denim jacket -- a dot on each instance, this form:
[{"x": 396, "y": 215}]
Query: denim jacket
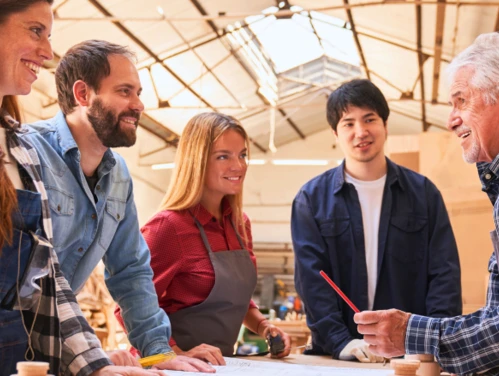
[
  {"x": 86, "y": 231},
  {"x": 418, "y": 263}
]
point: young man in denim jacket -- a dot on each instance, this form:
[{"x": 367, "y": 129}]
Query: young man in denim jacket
[{"x": 379, "y": 230}]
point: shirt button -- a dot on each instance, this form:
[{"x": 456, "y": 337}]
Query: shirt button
[
  {"x": 118, "y": 216},
  {"x": 80, "y": 249},
  {"x": 98, "y": 187},
  {"x": 488, "y": 176},
  {"x": 58, "y": 208},
  {"x": 94, "y": 216}
]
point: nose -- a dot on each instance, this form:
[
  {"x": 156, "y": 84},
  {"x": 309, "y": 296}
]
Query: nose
[
  {"x": 360, "y": 130},
  {"x": 136, "y": 104},
  {"x": 46, "y": 49},
  {"x": 239, "y": 164},
  {"x": 454, "y": 120}
]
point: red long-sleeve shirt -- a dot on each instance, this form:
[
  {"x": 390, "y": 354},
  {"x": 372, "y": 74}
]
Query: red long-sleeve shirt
[{"x": 183, "y": 274}]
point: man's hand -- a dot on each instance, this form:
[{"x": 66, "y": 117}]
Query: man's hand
[
  {"x": 125, "y": 371},
  {"x": 274, "y": 331},
  {"x": 359, "y": 349},
  {"x": 123, "y": 358},
  {"x": 384, "y": 331},
  {"x": 204, "y": 352},
  {"x": 186, "y": 364}
]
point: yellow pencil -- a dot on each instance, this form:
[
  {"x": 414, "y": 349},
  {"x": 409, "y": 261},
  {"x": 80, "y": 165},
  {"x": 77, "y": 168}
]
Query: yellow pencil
[{"x": 155, "y": 359}]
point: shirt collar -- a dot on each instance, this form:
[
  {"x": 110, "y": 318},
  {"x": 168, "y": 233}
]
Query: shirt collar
[
  {"x": 7, "y": 121},
  {"x": 204, "y": 216},
  {"x": 392, "y": 176},
  {"x": 67, "y": 141},
  {"x": 488, "y": 172}
]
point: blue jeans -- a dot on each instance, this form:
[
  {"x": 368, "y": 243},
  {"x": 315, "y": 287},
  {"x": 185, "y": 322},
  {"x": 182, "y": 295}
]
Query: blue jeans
[{"x": 13, "y": 337}]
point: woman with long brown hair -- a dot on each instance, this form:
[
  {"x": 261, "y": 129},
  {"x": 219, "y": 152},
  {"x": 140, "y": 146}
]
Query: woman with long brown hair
[
  {"x": 201, "y": 246},
  {"x": 39, "y": 317}
]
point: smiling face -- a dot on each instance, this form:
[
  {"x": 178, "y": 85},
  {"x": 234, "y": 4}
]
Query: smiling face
[
  {"x": 24, "y": 46},
  {"x": 361, "y": 134},
  {"x": 115, "y": 108},
  {"x": 226, "y": 167},
  {"x": 472, "y": 120}
]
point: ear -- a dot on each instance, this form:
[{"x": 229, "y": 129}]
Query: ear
[
  {"x": 386, "y": 129},
  {"x": 335, "y": 133},
  {"x": 81, "y": 93}
]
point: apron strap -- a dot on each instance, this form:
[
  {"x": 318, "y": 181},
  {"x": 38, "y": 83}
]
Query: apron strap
[
  {"x": 203, "y": 234},
  {"x": 205, "y": 238},
  {"x": 241, "y": 243}
]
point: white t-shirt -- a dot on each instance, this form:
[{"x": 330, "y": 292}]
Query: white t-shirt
[
  {"x": 370, "y": 196},
  {"x": 10, "y": 162}
]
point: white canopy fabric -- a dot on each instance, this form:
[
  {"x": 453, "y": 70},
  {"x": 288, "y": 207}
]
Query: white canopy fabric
[{"x": 188, "y": 64}]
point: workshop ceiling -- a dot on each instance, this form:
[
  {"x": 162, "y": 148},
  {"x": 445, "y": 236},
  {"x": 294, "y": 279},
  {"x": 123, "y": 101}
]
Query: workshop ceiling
[{"x": 271, "y": 64}]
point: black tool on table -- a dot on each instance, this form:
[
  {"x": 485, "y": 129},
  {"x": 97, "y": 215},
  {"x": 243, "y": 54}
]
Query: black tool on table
[{"x": 276, "y": 344}]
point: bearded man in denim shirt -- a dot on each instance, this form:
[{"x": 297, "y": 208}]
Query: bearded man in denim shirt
[
  {"x": 379, "y": 230},
  {"x": 90, "y": 190}
]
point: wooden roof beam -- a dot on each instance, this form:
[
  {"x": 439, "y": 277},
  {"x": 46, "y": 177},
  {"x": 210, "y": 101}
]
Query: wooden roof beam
[
  {"x": 356, "y": 38},
  {"x": 439, "y": 35},
  {"x": 421, "y": 61}
]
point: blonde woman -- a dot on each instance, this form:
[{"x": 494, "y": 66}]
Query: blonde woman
[{"x": 200, "y": 242}]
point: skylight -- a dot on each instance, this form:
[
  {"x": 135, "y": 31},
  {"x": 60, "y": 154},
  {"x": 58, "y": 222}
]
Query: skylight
[{"x": 303, "y": 37}]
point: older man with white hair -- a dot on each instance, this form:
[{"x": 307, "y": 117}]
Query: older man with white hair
[{"x": 463, "y": 344}]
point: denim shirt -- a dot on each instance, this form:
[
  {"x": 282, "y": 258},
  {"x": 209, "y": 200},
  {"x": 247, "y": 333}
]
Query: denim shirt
[
  {"x": 418, "y": 264},
  {"x": 86, "y": 232}
]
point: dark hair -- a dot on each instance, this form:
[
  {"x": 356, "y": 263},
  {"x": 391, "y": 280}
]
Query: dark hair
[
  {"x": 8, "y": 7},
  {"x": 360, "y": 93},
  {"x": 8, "y": 196},
  {"x": 86, "y": 61}
]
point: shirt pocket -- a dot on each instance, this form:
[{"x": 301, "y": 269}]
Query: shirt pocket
[
  {"x": 61, "y": 203},
  {"x": 338, "y": 239},
  {"x": 62, "y": 208},
  {"x": 114, "y": 214},
  {"x": 333, "y": 228},
  {"x": 407, "y": 238}
]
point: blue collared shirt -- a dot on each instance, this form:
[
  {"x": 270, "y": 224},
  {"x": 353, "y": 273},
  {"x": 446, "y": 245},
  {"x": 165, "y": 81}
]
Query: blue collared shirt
[
  {"x": 466, "y": 344},
  {"x": 418, "y": 265},
  {"x": 86, "y": 231}
]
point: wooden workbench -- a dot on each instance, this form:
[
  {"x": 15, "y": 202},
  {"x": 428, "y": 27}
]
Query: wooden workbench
[
  {"x": 327, "y": 361},
  {"x": 316, "y": 360}
]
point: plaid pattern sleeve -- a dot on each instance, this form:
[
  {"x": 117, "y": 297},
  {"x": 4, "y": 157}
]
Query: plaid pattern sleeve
[
  {"x": 462, "y": 345},
  {"x": 81, "y": 350},
  {"x": 466, "y": 344},
  {"x": 61, "y": 334}
]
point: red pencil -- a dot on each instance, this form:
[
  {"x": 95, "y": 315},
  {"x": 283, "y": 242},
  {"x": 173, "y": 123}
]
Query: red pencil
[{"x": 340, "y": 293}]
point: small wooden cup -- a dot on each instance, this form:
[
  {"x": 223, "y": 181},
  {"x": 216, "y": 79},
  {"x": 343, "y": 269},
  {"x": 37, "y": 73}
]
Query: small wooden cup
[
  {"x": 405, "y": 367},
  {"x": 32, "y": 368},
  {"x": 429, "y": 367}
]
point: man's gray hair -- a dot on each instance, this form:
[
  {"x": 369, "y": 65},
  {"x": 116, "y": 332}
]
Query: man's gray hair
[{"x": 483, "y": 57}]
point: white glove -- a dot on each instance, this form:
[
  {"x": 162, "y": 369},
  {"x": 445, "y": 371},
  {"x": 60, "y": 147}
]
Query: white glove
[{"x": 359, "y": 349}]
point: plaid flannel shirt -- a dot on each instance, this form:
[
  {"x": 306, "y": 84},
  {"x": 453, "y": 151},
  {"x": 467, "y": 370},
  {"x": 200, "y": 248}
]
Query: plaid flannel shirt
[
  {"x": 61, "y": 335},
  {"x": 466, "y": 344}
]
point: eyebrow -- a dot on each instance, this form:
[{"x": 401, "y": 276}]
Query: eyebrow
[
  {"x": 42, "y": 26},
  {"x": 39, "y": 24},
  {"x": 363, "y": 117},
  {"x": 455, "y": 95},
  {"x": 228, "y": 151},
  {"x": 128, "y": 86}
]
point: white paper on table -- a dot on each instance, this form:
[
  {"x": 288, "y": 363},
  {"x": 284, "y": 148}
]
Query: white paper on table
[{"x": 243, "y": 367}]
